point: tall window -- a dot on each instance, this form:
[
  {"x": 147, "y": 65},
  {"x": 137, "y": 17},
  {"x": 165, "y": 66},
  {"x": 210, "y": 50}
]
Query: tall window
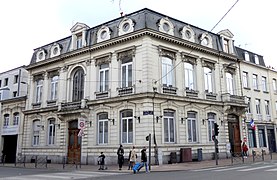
[
  {"x": 251, "y": 138},
  {"x": 267, "y": 110},
  {"x": 245, "y": 79},
  {"x": 255, "y": 81},
  {"x": 226, "y": 45},
  {"x": 103, "y": 128},
  {"x": 79, "y": 41},
  {"x": 262, "y": 142},
  {"x": 258, "y": 106},
  {"x": 51, "y": 131},
  {"x": 127, "y": 72},
  {"x": 248, "y": 108},
  {"x": 36, "y": 129},
  {"x": 39, "y": 85},
  {"x": 264, "y": 85},
  {"x": 192, "y": 127},
  {"x": 169, "y": 130},
  {"x": 208, "y": 79},
  {"x": 167, "y": 71},
  {"x": 15, "y": 119},
  {"x": 274, "y": 84},
  {"x": 54, "y": 87},
  {"x": 230, "y": 83},
  {"x": 189, "y": 76},
  {"x": 6, "y": 120},
  {"x": 246, "y": 56},
  {"x": 127, "y": 126},
  {"x": 257, "y": 60},
  {"x": 78, "y": 85},
  {"x": 211, "y": 120},
  {"x": 104, "y": 77}
]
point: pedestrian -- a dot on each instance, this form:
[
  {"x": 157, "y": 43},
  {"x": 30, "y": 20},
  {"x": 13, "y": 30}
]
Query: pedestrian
[
  {"x": 101, "y": 161},
  {"x": 244, "y": 150},
  {"x": 132, "y": 158},
  {"x": 144, "y": 159},
  {"x": 120, "y": 156}
]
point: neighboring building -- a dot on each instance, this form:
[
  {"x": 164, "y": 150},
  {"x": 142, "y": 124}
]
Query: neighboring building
[
  {"x": 259, "y": 88},
  {"x": 138, "y": 74},
  {"x": 13, "y": 91}
]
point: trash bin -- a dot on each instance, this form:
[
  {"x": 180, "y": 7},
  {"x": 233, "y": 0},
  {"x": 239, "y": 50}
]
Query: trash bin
[
  {"x": 185, "y": 155},
  {"x": 199, "y": 154},
  {"x": 173, "y": 157}
]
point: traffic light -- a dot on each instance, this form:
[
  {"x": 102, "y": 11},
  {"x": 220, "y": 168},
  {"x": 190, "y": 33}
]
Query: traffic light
[
  {"x": 216, "y": 129},
  {"x": 147, "y": 138}
]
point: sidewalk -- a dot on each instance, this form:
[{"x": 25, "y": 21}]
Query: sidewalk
[{"x": 155, "y": 168}]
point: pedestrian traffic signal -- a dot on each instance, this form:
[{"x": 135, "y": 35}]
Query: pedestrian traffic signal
[
  {"x": 147, "y": 138},
  {"x": 216, "y": 129}
]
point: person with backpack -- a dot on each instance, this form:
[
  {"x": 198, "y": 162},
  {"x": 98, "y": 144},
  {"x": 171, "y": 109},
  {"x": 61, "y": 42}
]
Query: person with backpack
[
  {"x": 120, "y": 156},
  {"x": 101, "y": 161}
]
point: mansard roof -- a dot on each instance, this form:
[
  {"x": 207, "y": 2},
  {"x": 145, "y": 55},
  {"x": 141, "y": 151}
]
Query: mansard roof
[
  {"x": 144, "y": 20},
  {"x": 241, "y": 55}
]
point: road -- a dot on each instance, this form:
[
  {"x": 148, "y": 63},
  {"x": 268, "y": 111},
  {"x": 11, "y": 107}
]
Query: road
[{"x": 256, "y": 171}]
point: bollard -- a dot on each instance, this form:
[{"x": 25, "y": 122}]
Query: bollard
[
  {"x": 253, "y": 154},
  {"x": 63, "y": 162},
  {"x": 263, "y": 154},
  {"x": 46, "y": 161},
  {"x": 24, "y": 160},
  {"x": 270, "y": 154},
  {"x": 36, "y": 161},
  {"x": 232, "y": 160}
]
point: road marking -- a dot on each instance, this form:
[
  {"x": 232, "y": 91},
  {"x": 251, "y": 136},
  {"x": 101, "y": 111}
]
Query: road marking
[
  {"x": 255, "y": 168},
  {"x": 208, "y": 169},
  {"x": 61, "y": 175},
  {"x": 271, "y": 169},
  {"x": 233, "y": 168}
]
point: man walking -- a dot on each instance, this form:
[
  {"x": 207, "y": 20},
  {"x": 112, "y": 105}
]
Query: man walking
[
  {"x": 120, "y": 156},
  {"x": 144, "y": 159}
]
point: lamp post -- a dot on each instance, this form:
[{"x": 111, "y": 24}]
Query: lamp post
[{"x": 154, "y": 131}]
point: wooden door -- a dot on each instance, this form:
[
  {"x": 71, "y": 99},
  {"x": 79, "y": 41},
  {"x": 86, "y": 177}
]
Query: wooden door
[
  {"x": 74, "y": 146},
  {"x": 234, "y": 134}
]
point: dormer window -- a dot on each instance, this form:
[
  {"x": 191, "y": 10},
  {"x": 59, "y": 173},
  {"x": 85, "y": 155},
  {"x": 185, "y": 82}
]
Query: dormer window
[
  {"x": 78, "y": 40},
  {"x": 257, "y": 60},
  {"x": 126, "y": 26},
  {"x": 206, "y": 40},
  {"x": 41, "y": 55},
  {"x": 225, "y": 45},
  {"x": 188, "y": 33},
  {"x": 166, "y": 26},
  {"x": 246, "y": 56},
  {"x": 227, "y": 42},
  {"x": 103, "y": 34},
  {"x": 55, "y": 50}
]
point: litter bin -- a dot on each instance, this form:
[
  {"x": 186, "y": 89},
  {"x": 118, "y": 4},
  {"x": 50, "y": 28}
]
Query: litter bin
[
  {"x": 173, "y": 158},
  {"x": 199, "y": 154}
]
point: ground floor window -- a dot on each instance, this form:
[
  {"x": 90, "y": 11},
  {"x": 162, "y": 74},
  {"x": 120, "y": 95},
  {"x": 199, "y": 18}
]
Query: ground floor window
[
  {"x": 251, "y": 138},
  {"x": 262, "y": 138}
]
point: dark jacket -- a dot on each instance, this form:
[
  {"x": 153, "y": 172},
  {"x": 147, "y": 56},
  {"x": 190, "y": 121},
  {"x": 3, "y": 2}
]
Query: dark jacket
[
  {"x": 143, "y": 155},
  {"x": 101, "y": 159}
]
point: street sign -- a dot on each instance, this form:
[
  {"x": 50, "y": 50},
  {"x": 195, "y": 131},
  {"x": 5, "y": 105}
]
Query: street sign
[{"x": 81, "y": 123}]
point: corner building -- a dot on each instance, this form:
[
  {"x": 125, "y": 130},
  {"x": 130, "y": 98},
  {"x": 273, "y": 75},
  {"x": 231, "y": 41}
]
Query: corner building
[{"x": 138, "y": 74}]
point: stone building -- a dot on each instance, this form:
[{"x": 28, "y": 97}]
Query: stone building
[
  {"x": 13, "y": 91},
  {"x": 142, "y": 73}
]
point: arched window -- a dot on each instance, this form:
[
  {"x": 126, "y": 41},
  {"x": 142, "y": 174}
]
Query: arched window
[
  {"x": 192, "y": 132},
  {"x": 6, "y": 120},
  {"x": 78, "y": 85},
  {"x": 127, "y": 126},
  {"x": 103, "y": 128},
  {"x": 15, "y": 118},
  {"x": 169, "y": 126},
  {"x": 211, "y": 121},
  {"x": 36, "y": 128},
  {"x": 51, "y": 131}
]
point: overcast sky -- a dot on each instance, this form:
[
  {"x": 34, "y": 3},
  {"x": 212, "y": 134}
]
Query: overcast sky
[{"x": 28, "y": 24}]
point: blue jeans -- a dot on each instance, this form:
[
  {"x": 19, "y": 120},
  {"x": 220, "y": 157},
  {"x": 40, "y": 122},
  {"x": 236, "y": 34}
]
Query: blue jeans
[{"x": 146, "y": 166}]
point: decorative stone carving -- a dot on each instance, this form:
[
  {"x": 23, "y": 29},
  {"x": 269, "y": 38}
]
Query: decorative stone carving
[
  {"x": 126, "y": 26},
  {"x": 166, "y": 26}
]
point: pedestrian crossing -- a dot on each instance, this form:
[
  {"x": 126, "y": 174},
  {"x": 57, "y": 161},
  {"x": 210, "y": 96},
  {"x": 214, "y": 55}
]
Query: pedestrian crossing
[
  {"x": 244, "y": 168},
  {"x": 61, "y": 175}
]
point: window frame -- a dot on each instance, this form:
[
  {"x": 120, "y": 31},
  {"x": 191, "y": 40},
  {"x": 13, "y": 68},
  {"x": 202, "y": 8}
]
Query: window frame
[
  {"x": 211, "y": 121},
  {"x": 103, "y": 119},
  {"x": 36, "y": 133},
  {"x": 78, "y": 85},
  {"x": 245, "y": 80},
  {"x": 54, "y": 84},
  {"x": 127, "y": 74},
  {"x": 230, "y": 83},
  {"x": 16, "y": 119},
  {"x": 255, "y": 82},
  {"x": 127, "y": 120},
  {"x": 264, "y": 84},
  {"x": 192, "y": 127},
  {"x": 208, "y": 79},
  {"x": 51, "y": 136},
  {"x": 169, "y": 126},
  {"x": 189, "y": 76},
  {"x": 39, "y": 89},
  {"x": 167, "y": 71},
  {"x": 104, "y": 82}
]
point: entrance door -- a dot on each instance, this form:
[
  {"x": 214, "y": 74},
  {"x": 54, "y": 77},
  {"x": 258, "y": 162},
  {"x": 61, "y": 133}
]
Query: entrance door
[
  {"x": 234, "y": 133},
  {"x": 9, "y": 148},
  {"x": 271, "y": 140},
  {"x": 74, "y": 143}
]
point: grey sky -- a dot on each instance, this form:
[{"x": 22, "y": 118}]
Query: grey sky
[{"x": 29, "y": 24}]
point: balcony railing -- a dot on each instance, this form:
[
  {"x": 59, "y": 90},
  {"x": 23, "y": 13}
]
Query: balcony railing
[
  {"x": 70, "y": 106},
  {"x": 191, "y": 93},
  {"x": 233, "y": 98},
  {"x": 125, "y": 90},
  {"x": 169, "y": 90},
  {"x": 100, "y": 95},
  {"x": 211, "y": 95}
]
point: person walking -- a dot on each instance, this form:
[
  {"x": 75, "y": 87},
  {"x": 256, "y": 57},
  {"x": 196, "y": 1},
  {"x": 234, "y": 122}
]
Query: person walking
[
  {"x": 101, "y": 161},
  {"x": 144, "y": 159},
  {"x": 244, "y": 150},
  {"x": 132, "y": 158},
  {"x": 120, "y": 156}
]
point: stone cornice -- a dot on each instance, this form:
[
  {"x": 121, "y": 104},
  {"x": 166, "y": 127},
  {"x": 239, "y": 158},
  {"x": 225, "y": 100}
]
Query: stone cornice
[{"x": 129, "y": 37}]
